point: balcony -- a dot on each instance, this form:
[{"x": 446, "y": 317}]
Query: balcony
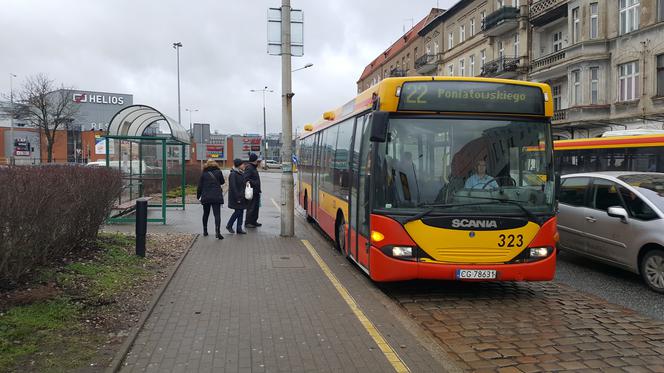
[
  {"x": 548, "y": 60},
  {"x": 545, "y": 11},
  {"x": 555, "y": 65},
  {"x": 501, "y": 21},
  {"x": 395, "y": 73},
  {"x": 559, "y": 115},
  {"x": 582, "y": 113},
  {"x": 427, "y": 63},
  {"x": 504, "y": 67}
]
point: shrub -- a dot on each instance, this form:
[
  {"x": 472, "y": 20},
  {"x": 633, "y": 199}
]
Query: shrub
[{"x": 46, "y": 212}]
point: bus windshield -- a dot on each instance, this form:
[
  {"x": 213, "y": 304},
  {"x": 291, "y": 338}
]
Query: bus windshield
[{"x": 453, "y": 165}]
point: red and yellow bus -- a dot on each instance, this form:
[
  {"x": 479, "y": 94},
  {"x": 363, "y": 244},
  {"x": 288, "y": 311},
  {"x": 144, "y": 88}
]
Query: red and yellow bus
[
  {"x": 395, "y": 177},
  {"x": 615, "y": 153}
]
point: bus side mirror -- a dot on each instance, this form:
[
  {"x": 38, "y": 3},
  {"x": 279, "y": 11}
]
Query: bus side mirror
[{"x": 379, "y": 126}]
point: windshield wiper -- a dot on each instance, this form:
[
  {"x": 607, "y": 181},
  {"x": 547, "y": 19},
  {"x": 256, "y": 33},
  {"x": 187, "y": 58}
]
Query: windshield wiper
[
  {"x": 512, "y": 202},
  {"x": 434, "y": 206}
]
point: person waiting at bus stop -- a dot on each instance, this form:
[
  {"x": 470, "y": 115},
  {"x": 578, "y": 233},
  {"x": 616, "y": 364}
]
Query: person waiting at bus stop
[
  {"x": 236, "y": 200},
  {"x": 211, "y": 196},
  {"x": 480, "y": 179},
  {"x": 251, "y": 175}
]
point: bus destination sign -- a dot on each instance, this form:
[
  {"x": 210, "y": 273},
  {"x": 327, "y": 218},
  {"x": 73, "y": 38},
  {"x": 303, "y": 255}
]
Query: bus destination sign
[{"x": 471, "y": 97}]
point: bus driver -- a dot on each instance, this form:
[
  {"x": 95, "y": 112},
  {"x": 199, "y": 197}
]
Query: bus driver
[{"x": 480, "y": 179}]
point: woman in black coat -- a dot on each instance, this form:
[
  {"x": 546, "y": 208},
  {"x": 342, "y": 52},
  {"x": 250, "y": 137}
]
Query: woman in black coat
[
  {"x": 211, "y": 196},
  {"x": 236, "y": 200}
]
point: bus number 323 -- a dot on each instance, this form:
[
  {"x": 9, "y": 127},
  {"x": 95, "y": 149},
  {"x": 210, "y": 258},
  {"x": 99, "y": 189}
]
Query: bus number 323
[{"x": 509, "y": 240}]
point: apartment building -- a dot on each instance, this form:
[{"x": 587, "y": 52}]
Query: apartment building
[
  {"x": 399, "y": 58},
  {"x": 604, "y": 61}
]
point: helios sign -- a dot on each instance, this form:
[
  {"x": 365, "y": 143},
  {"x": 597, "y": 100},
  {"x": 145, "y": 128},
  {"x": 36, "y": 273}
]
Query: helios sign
[{"x": 86, "y": 98}]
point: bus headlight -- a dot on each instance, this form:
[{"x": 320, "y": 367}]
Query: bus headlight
[
  {"x": 401, "y": 251},
  {"x": 539, "y": 252}
]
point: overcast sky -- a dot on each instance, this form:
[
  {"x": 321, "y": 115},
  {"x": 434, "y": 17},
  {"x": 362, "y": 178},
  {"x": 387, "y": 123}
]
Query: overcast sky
[{"x": 125, "y": 46}]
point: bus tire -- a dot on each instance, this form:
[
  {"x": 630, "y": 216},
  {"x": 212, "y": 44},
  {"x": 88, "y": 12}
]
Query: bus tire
[{"x": 340, "y": 234}]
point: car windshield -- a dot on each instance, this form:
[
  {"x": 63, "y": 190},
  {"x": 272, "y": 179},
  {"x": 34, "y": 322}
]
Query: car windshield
[
  {"x": 650, "y": 185},
  {"x": 440, "y": 162}
]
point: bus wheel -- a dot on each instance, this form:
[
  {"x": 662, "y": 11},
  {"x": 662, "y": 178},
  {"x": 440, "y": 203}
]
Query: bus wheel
[
  {"x": 340, "y": 236},
  {"x": 306, "y": 208},
  {"x": 652, "y": 269}
]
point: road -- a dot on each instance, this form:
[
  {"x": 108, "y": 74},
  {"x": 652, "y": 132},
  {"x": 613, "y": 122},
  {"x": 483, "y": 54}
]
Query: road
[{"x": 612, "y": 284}]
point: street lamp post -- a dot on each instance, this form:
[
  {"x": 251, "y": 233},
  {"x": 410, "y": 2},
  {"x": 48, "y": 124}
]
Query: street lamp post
[
  {"x": 177, "y": 47},
  {"x": 303, "y": 67},
  {"x": 11, "y": 118},
  {"x": 264, "y": 142},
  {"x": 191, "y": 129}
]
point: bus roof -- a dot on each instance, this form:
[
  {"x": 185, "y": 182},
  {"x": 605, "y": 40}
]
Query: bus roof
[
  {"x": 636, "y": 141},
  {"x": 386, "y": 92}
]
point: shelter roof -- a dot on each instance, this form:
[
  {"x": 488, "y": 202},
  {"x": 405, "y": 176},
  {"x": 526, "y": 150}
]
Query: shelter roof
[{"x": 133, "y": 120}]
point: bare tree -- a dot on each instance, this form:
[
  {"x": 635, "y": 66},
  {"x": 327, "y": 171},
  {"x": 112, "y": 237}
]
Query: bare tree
[{"x": 46, "y": 108}]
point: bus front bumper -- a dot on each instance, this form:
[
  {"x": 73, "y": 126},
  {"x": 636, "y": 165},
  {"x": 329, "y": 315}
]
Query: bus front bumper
[{"x": 385, "y": 268}]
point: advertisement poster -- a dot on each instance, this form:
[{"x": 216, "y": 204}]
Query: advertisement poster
[
  {"x": 215, "y": 151},
  {"x": 100, "y": 146},
  {"x": 21, "y": 147}
]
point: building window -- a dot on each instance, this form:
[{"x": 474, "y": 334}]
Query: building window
[
  {"x": 594, "y": 85},
  {"x": 428, "y": 49},
  {"x": 500, "y": 3},
  {"x": 462, "y": 67},
  {"x": 472, "y": 26},
  {"x": 482, "y": 58},
  {"x": 471, "y": 63},
  {"x": 576, "y": 24},
  {"x": 660, "y": 75},
  {"x": 482, "y": 17},
  {"x": 501, "y": 49},
  {"x": 594, "y": 20},
  {"x": 629, "y": 81},
  {"x": 462, "y": 33},
  {"x": 556, "y": 96},
  {"x": 516, "y": 45},
  {"x": 450, "y": 70},
  {"x": 557, "y": 41},
  {"x": 450, "y": 41},
  {"x": 436, "y": 48},
  {"x": 515, "y": 3},
  {"x": 660, "y": 10},
  {"x": 576, "y": 87},
  {"x": 629, "y": 16}
]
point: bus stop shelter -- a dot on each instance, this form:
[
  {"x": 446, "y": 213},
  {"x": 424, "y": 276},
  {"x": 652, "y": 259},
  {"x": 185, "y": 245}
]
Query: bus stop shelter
[{"x": 149, "y": 149}]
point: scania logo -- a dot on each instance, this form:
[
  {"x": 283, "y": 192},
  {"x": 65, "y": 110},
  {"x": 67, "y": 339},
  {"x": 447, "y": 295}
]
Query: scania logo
[{"x": 472, "y": 223}]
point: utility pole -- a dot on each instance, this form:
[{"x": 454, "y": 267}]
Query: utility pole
[
  {"x": 287, "y": 200},
  {"x": 264, "y": 142},
  {"x": 177, "y": 47},
  {"x": 11, "y": 119}
]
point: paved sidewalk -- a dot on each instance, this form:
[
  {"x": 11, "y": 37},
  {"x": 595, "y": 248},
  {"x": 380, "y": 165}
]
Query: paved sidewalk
[{"x": 260, "y": 303}]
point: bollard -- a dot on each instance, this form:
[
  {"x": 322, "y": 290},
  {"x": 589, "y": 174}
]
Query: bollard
[{"x": 141, "y": 225}]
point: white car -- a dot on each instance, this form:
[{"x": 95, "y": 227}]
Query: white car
[{"x": 272, "y": 164}]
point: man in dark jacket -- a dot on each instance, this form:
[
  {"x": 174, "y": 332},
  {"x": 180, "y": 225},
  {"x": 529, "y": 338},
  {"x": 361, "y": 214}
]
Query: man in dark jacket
[
  {"x": 251, "y": 175},
  {"x": 211, "y": 196},
  {"x": 236, "y": 200}
]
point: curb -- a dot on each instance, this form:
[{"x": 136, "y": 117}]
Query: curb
[{"x": 116, "y": 364}]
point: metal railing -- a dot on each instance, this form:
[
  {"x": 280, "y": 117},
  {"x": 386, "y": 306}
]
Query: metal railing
[
  {"x": 542, "y": 6},
  {"x": 427, "y": 59},
  {"x": 502, "y": 14},
  {"x": 500, "y": 65},
  {"x": 398, "y": 73}
]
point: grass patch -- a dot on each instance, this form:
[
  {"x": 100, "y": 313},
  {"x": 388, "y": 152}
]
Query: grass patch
[
  {"x": 189, "y": 190},
  {"x": 25, "y": 329},
  {"x": 53, "y": 334}
]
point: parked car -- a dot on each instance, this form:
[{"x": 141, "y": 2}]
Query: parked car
[
  {"x": 272, "y": 164},
  {"x": 617, "y": 218}
]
